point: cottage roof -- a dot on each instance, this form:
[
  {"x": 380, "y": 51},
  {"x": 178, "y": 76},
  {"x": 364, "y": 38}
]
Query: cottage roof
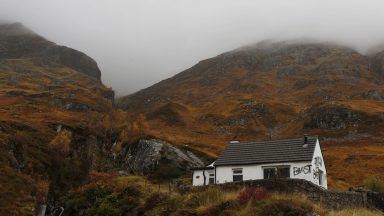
[{"x": 271, "y": 151}]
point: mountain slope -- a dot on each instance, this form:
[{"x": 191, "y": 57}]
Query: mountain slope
[
  {"x": 271, "y": 90},
  {"x": 52, "y": 110}
]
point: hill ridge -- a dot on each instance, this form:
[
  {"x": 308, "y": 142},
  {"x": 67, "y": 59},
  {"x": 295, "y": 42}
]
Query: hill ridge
[{"x": 17, "y": 41}]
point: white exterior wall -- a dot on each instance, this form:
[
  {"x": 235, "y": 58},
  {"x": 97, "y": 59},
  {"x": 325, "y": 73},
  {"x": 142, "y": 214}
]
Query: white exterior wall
[
  {"x": 298, "y": 170},
  {"x": 317, "y": 155},
  {"x": 200, "y": 181},
  {"x": 197, "y": 181},
  {"x": 224, "y": 174}
]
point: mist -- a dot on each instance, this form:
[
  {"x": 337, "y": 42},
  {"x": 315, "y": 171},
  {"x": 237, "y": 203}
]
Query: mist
[{"x": 140, "y": 42}]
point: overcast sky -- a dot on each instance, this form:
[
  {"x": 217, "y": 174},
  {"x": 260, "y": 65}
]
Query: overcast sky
[{"x": 140, "y": 42}]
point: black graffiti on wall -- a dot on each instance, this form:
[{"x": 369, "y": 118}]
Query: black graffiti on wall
[
  {"x": 304, "y": 169},
  {"x": 316, "y": 173},
  {"x": 318, "y": 162}
]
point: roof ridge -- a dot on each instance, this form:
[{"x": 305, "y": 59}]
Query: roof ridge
[{"x": 276, "y": 140}]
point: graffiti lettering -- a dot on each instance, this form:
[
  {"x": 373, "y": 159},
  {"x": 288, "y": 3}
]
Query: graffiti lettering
[
  {"x": 318, "y": 162},
  {"x": 304, "y": 169},
  {"x": 316, "y": 173}
]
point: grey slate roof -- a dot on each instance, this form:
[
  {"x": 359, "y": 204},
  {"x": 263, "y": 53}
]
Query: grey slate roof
[{"x": 271, "y": 151}]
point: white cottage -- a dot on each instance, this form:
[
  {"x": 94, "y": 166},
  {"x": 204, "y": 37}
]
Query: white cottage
[{"x": 299, "y": 158}]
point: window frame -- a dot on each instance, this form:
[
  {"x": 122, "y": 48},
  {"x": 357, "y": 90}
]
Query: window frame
[
  {"x": 236, "y": 175},
  {"x": 211, "y": 178},
  {"x": 276, "y": 171},
  {"x": 284, "y": 167},
  {"x": 269, "y": 168}
]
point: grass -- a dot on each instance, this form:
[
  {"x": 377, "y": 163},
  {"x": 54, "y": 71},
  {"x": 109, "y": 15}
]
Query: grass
[
  {"x": 374, "y": 183},
  {"x": 356, "y": 212},
  {"x": 210, "y": 196},
  {"x": 109, "y": 193}
]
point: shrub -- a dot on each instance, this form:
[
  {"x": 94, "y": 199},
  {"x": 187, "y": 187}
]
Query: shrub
[
  {"x": 131, "y": 191},
  {"x": 159, "y": 204},
  {"x": 154, "y": 200},
  {"x": 184, "y": 212},
  {"x": 76, "y": 204},
  {"x": 252, "y": 194},
  {"x": 374, "y": 183},
  {"x": 99, "y": 199},
  {"x": 222, "y": 208},
  {"x": 207, "y": 197},
  {"x": 359, "y": 211},
  {"x": 128, "y": 204},
  {"x": 286, "y": 207},
  {"x": 104, "y": 209},
  {"x": 61, "y": 143},
  {"x": 98, "y": 191}
]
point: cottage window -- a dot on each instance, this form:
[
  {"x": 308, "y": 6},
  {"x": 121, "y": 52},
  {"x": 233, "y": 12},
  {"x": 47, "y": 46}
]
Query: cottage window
[
  {"x": 237, "y": 175},
  {"x": 269, "y": 173},
  {"x": 197, "y": 177},
  {"x": 283, "y": 172},
  {"x": 277, "y": 172}
]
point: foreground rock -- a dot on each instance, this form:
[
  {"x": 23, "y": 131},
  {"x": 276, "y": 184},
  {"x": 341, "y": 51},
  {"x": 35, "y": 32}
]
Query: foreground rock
[{"x": 146, "y": 155}]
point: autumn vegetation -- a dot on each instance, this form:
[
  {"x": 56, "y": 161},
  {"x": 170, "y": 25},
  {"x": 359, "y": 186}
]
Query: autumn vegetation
[
  {"x": 60, "y": 131},
  {"x": 116, "y": 195}
]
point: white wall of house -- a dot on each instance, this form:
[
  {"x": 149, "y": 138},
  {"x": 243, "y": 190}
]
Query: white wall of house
[
  {"x": 319, "y": 165},
  {"x": 224, "y": 174},
  {"x": 198, "y": 177},
  {"x": 298, "y": 170}
]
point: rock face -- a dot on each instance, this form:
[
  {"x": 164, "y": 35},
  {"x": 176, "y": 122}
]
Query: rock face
[
  {"x": 16, "y": 41},
  {"x": 333, "y": 118},
  {"x": 145, "y": 156},
  {"x": 373, "y": 95},
  {"x": 377, "y": 63}
]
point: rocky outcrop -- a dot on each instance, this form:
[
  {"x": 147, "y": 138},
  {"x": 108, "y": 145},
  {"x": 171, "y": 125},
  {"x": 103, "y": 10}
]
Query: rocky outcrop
[
  {"x": 71, "y": 58},
  {"x": 332, "y": 117},
  {"x": 377, "y": 63},
  {"x": 144, "y": 156},
  {"x": 373, "y": 95},
  {"x": 336, "y": 117}
]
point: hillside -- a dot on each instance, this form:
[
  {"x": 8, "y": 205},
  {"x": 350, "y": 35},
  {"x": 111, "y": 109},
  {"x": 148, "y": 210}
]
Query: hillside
[
  {"x": 276, "y": 90},
  {"x": 58, "y": 126},
  {"x": 52, "y": 113}
]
